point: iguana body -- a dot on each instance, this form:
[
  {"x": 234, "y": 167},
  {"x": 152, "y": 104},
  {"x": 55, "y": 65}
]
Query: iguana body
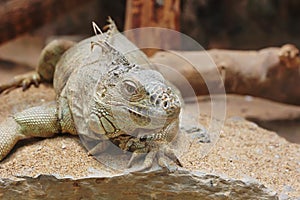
[{"x": 101, "y": 95}]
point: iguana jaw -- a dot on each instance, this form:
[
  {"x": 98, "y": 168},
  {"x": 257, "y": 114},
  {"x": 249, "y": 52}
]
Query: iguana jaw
[{"x": 138, "y": 117}]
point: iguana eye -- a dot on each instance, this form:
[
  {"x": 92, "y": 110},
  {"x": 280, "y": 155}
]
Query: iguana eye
[
  {"x": 132, "y": 90},
  {"x": 130, "y": 87}
]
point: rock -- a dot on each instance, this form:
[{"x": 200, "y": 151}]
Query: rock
[{"x": 151, "y": 185}]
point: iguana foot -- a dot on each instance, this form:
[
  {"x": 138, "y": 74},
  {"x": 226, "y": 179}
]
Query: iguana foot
[
  {"x": 24, "y": 81},
  {"x": 165, "y": 156}
]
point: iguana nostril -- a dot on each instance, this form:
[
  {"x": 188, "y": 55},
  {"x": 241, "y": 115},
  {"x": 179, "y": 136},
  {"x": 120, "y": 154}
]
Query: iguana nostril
[{"x": 166, "y": 104}]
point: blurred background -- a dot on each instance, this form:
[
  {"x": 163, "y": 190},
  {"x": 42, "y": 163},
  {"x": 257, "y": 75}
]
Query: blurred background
[{"x": 231, "y": 24}]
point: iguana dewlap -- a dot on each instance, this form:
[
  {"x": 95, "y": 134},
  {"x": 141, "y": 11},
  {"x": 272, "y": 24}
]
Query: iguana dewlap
[{"x": 103, "y": 94}]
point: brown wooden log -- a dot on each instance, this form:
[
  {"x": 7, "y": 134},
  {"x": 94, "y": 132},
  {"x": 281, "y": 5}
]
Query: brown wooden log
[
  {"x": 21, "y": 16},
  {"x": 154, "y": 13},
  {"x": 272, "y": 73}
]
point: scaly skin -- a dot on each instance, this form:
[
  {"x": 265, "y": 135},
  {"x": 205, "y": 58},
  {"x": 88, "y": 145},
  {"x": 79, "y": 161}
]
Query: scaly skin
[{"x": 101, "y": 95}]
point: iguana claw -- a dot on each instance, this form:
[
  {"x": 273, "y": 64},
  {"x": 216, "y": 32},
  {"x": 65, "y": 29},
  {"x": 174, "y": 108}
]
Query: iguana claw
[{"x": 24, "y": 81}]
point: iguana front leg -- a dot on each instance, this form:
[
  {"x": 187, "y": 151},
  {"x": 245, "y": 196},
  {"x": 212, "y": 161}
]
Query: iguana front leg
[
  {"x": 46, "y": 67},
  {"x": 40, "y": 121}
]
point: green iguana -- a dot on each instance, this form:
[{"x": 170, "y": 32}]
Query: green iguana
[{"x": 102, "y": 93}]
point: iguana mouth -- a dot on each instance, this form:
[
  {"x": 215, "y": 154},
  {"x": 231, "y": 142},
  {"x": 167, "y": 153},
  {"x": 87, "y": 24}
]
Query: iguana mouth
[{"x": 139, "y": 118}]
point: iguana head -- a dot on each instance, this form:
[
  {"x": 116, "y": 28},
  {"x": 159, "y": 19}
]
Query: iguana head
[{"x": 137, "y": 98}]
